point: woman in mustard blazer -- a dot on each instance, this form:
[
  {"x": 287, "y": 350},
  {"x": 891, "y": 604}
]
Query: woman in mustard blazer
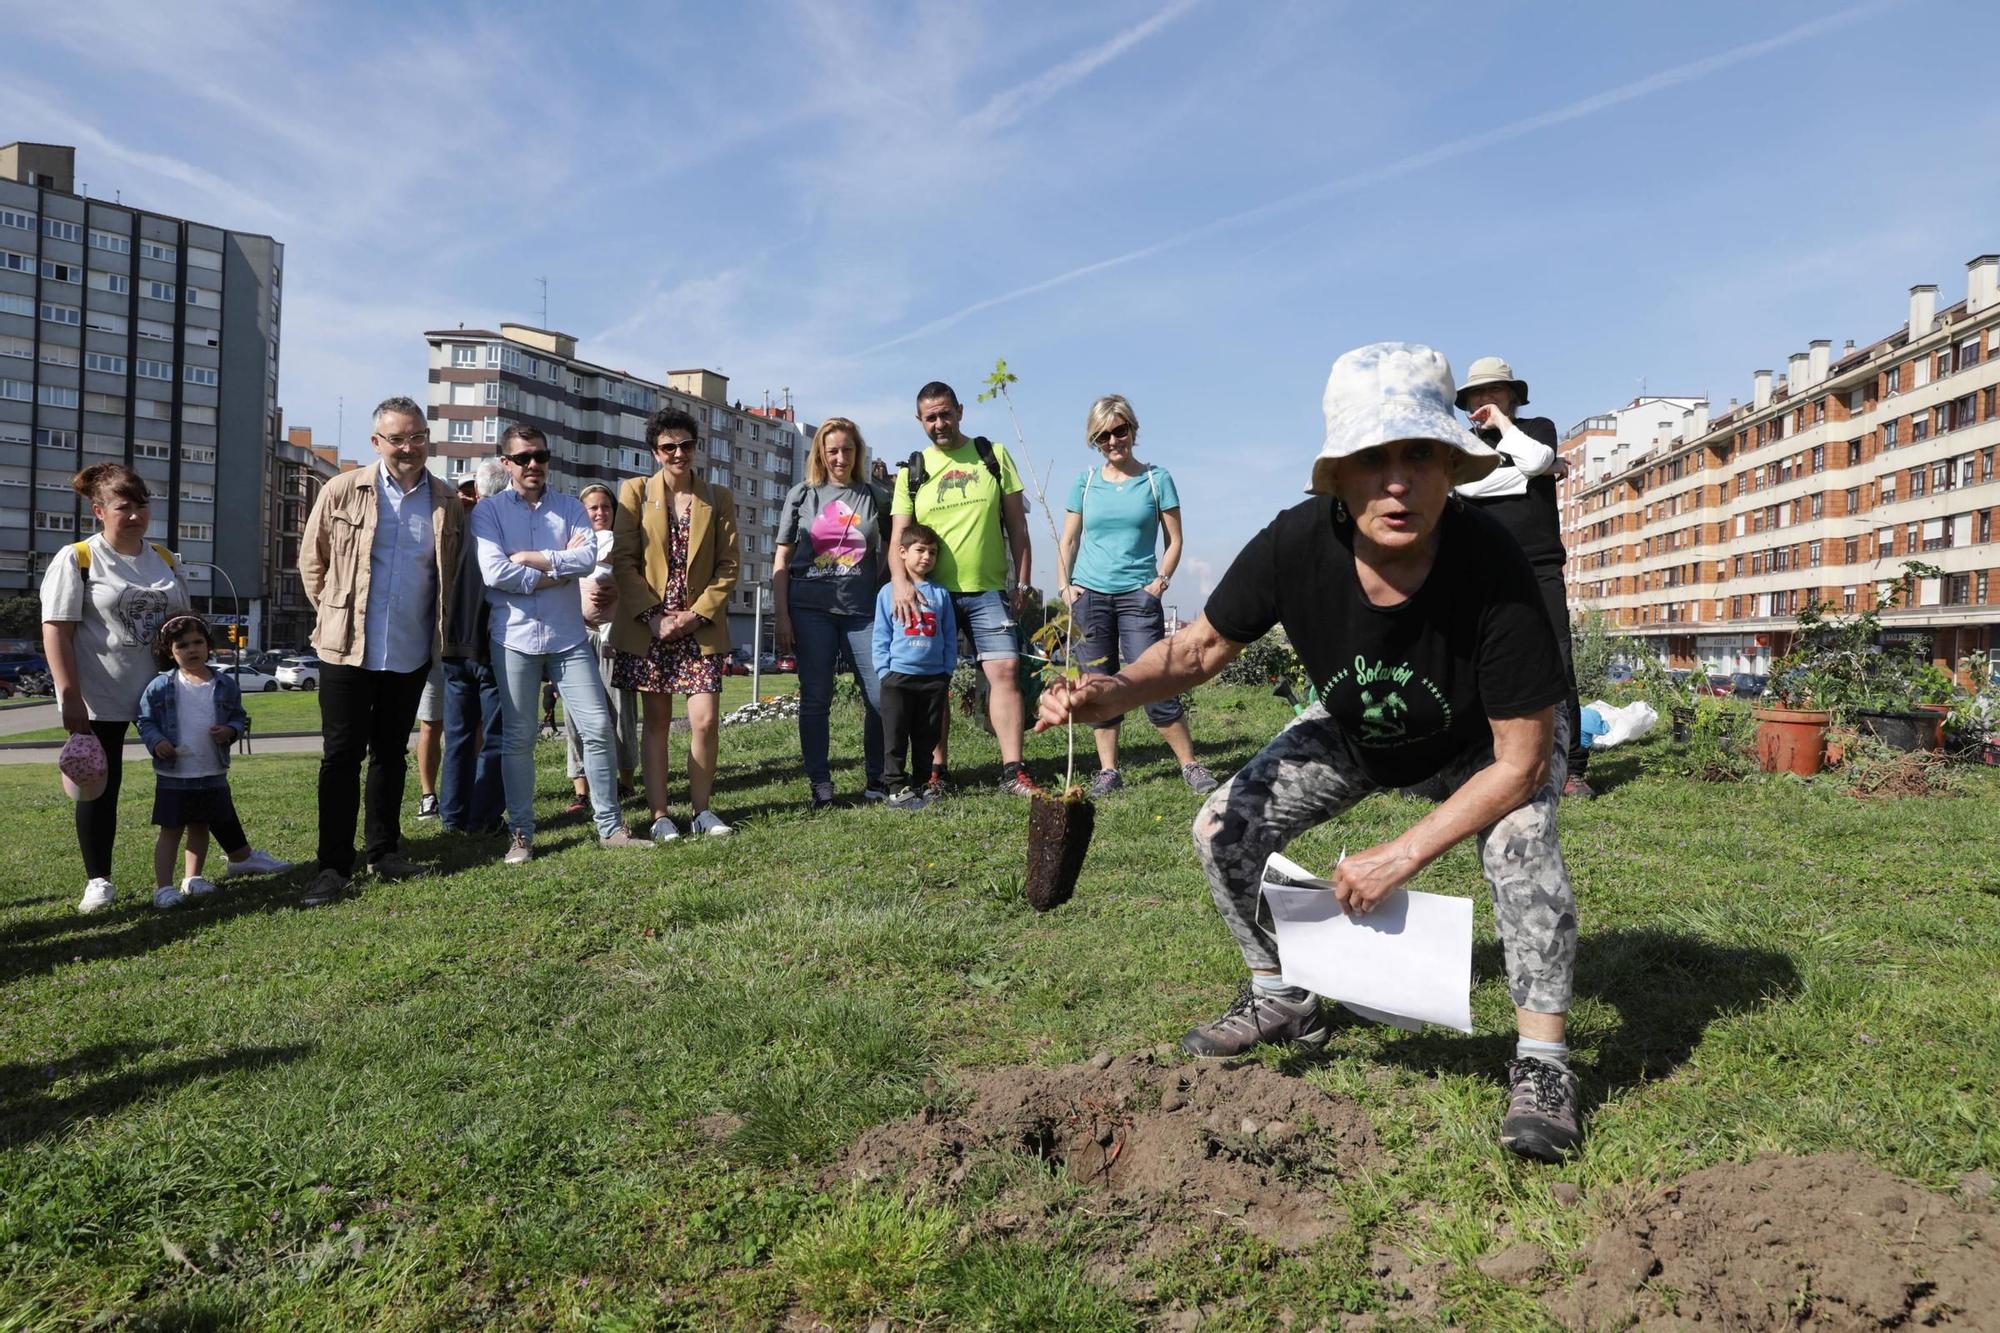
[{"x": 673, "y": 554}]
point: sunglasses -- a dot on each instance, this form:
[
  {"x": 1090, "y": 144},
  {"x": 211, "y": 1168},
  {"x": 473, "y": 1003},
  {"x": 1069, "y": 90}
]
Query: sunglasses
[
  {"x": 1122, "y": 431},
  {"x": 531, "y": 457},
  {"x": 675, "y": 447}
]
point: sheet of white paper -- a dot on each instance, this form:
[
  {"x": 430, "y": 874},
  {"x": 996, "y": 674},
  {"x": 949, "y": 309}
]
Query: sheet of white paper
[{"x": 1410, "y": 959}]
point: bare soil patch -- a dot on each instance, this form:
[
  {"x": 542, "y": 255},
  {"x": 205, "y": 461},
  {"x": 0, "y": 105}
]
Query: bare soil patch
[
  {"x": 1825, "y": 1242},
  {"x": 1175, "y": 1143}
]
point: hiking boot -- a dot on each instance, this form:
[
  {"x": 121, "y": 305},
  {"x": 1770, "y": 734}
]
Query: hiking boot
[
  {"x": 97, "y": 896},
  {"x": 396, "y": 866},
  {"x": 1257, "y": 1019},
  {"x": 1543, "y": 1121},
  {"x": 1019, "y": 785},
  {"x": 875, "y": 791},
  {"x": 520, "y": 849},
  {"x": 1576, "y": 787},
  {"x": 1106, "y": 782},
  {"x": 622, "y": 838},
  {"x": 328, "y": 886},
  {"x": 197, "y": 886},
  {"x": 907, "y": 800},
  {"x": 710, "y": 823},
  {"x": 1199, "y": 780},
  {"x": 167, "y": 896},
  {"x": 822, "y": 795},
  {"x": 664, "y": 830},
  {"x": 257, "y": 863},
  {"x": 427, "y": 807}
]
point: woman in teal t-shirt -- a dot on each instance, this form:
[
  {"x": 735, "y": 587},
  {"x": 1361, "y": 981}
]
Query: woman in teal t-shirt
[{"x": 1114, "y": 583}]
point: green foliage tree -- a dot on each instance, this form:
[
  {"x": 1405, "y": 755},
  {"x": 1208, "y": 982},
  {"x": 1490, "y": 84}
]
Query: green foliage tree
[{"x": 20, "y": 616}]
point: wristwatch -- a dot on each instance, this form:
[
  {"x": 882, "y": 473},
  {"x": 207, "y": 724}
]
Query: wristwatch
[{"x": 1164, "y": 582}]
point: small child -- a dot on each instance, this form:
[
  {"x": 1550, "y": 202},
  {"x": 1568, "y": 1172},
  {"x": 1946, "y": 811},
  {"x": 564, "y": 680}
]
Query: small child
[
  {"x": 189, "y": 716},
  {"x": 915, "y": 661}
]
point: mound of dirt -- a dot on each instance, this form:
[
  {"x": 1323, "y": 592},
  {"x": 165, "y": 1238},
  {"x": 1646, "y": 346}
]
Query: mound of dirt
[
  {"x": 1177, "y": 1142},
  {"x": 1827, "y": 1242}
]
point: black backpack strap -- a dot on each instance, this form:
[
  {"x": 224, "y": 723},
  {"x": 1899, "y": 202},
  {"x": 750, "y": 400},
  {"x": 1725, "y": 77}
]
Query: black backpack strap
[
  {"x": 914, "y": 470},
  {"x": 984, "y": 447}
]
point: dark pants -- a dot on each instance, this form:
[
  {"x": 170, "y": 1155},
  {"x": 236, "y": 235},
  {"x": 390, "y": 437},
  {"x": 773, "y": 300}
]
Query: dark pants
[
  {"x": 364, "y": 713},
  {"x": 1554, "y": 598},
  {"x": 469, "y": 785},
  {"x": 97, "y": 821},
  {"x": 1114, "y": 630},
  {"x": 913, "y": 712}
]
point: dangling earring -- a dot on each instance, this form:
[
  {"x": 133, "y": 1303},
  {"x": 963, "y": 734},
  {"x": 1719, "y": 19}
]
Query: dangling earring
[{"x": 1339, "y": 510}]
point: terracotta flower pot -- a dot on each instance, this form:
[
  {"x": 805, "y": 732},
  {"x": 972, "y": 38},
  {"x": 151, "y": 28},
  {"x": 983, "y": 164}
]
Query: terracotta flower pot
[
  {"x": 1791, "y": 740},
  {"x": 1058, "y": 840},
  {"x": 1940, "y": 712}
]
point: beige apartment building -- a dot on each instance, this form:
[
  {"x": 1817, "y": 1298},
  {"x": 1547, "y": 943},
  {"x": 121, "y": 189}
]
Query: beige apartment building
[
  {"x": 1707, "y": 543},
  {"x": 482, "y": 381}
]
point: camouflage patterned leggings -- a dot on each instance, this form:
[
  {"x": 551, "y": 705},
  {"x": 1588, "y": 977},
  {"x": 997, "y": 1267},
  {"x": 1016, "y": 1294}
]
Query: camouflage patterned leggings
[{"x": 1308, "y": 774}]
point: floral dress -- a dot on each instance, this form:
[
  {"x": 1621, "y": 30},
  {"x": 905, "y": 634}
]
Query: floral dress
[{"x": 671, "y": 666}]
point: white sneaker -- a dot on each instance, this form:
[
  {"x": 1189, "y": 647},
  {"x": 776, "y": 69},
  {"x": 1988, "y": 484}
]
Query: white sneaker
[
  {"x": 97, "y": 896},
  {"x": 195, "y": 886},
  {"x": 664, "y": 829},
  {"x": 257, "y": 863},
  {"x": 166, "y": 896},
  {"x": 710, "y": 823}
]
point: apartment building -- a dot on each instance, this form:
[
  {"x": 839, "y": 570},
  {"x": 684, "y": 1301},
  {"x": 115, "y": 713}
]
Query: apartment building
[
  {"x": 130, "y": 336},
  {"x": 298, "y": 469},
  {"x": 482, "y": 381},
  {"x": 1708, "y": 543}
]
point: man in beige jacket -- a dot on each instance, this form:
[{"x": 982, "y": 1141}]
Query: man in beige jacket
[{"x": 378, "y": 559}]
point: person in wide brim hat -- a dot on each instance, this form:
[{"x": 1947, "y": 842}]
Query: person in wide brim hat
[
  {"x": 1487, "y": 371},
  {"x": 1434, "y": 670}
]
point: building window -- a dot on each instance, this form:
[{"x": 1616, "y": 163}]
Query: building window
[
  {"x": 19, "y": 391},
  {"x": 1892, "y": 379},
  {"x": 11, "y": 218},
  {"x": 52, "y": 395},
  {"x": 461, "y": 432},
  {"x": 57, "y": 272},
  {"x": 492, "y": 355},
  {"x": 116, "y": 244},
  {"x": 465, "y": 354},
  {"x": 155, "y": 370},
  {"x": 150, "y": 449},
  {"x": 55, "y": 522},
  {"x": 102, "y": 322},
  {"x": 166, "y": 254},
  {"x": 58, "y": 230},
  {"x": 61, "y": 314},
  {"x": 104, "y": 361},
  {"x": 156, "y": 330},
  {"x": 16, "y": 263},
  {"x": 200, "y": 296},
  {"x": 109, "y": 404},
  {"x": 162, "y": 291},
  {"x": 1889, "y": 429},
  {"x": 1986, "y": 525},
  {"x": 197, "y": 532},
  {"x": 200, "y": 375}
]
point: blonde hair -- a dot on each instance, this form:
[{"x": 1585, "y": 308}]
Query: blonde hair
[
  {"x": 816, "y": 473},
  {"x": 1107, "y": 412}
]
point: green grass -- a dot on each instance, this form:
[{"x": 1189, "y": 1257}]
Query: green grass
[
  {"x": 298, "y": 710},
  {"x": 471, "y": 1098}
]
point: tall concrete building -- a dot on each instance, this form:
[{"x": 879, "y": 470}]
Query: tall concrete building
[
  {"x": 298, "y": 469},
  {"x": 130, "y": 336},
  {"x": 1818, "y": 489},
  {"x": 482, "y": 381}
]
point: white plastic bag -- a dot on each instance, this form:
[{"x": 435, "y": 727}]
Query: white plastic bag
[{"x": 1623, "y": 724}]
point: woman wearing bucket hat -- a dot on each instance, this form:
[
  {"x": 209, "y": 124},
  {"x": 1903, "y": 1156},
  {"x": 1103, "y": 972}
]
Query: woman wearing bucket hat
[
  {"x": 1521, "y": 493},
  {"x": 1419, "y": 622}
]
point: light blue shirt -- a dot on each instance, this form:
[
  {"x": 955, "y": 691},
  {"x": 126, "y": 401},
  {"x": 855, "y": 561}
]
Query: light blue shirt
[
  {"x": 401, "y": 620},
  {"x": 532, "y": 613},
  {"x": 1121, "y": 528}
]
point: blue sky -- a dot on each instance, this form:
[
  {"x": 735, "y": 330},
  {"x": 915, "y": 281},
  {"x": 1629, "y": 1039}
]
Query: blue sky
[{"x": 1196, "y": 204}]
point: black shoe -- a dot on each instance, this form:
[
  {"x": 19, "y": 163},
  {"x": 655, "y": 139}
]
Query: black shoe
[
  {"x": 327, "y": 887},
  {"x": 1257, "y": 1019},
  {"x": 1543, "y": 1120},
  {"x": 396, "y": 866}
]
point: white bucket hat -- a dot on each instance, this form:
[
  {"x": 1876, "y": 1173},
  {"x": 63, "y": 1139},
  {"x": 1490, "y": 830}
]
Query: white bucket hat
[
  {"x": 1492, "y": 370},
  {"x": 1394, "y": 391}
]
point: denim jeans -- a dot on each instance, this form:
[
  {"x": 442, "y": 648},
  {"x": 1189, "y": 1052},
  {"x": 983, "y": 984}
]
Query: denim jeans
[
  {"x": 822, "y": 639},
  {"x": 574, "y": 671},
  {"x": 469, "y": 784},
  {"x": 1114, "y": 630}
]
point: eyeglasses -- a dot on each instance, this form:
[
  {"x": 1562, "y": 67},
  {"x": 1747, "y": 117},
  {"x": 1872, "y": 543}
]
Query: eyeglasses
[
  {"x": 674, "y": 447},
  {"x": 399, "y": 441},
  {"x": 533, "y": 456},
  {"x": 1121, "y": 431}
]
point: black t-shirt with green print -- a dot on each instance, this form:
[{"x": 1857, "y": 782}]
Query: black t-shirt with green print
[{"x": 1411, "y": 685}]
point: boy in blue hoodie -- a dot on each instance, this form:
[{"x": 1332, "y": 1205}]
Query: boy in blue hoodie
[{"x": 916, "y": 660}]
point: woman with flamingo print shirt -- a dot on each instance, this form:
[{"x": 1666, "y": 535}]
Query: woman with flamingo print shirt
[{"x": 827, "y": 567}]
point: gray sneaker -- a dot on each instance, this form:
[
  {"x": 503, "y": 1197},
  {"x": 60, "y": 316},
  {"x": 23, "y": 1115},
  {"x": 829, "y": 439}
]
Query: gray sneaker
[
  {"x": 908, "y": 801},
  {"x": 1543, "y": 1121},
  {"x": 396, "y": 866},
  {"x": 1257, "y": 1019},
  {"x": 328, "y": 886},
  {"x": 520, "y": 849},
  {"x": 1199, "y": 779},
  {"x": 623, "y": 838},
  {"x": 1106, "y": 782}
]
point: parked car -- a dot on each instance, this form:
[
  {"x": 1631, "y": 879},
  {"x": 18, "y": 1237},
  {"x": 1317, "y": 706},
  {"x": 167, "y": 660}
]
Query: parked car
[
  {"x": 12, "y": 665},
  {"x": 1619, "y": 674},
  {"x": 252, "y": 679},
  {"x": 734, "y": 666},
  {"x": 299, "y": 673},
  {"x": 1719, "y": 683},
  {"x": 1749, "y": 685},
  {"x": 786, "y": 662}
]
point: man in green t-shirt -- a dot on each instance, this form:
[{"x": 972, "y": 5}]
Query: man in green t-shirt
[{"x": 970, "y": 495}]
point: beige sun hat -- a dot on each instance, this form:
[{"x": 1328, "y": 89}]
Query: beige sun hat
[
  {"x": 1491, "y": 370},
  {"x": 1394, "y": 391}
]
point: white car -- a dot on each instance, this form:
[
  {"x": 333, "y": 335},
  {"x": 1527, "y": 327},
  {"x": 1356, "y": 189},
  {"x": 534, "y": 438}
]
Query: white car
[
  {"x": 249, "y": 679},
  {"x": 299, "y": 673}
]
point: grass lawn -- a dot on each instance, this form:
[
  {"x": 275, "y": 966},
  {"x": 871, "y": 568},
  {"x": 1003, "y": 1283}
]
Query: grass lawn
[
  {"x": 298, "y": 710},
  {"x": 493, "y": 1097}
]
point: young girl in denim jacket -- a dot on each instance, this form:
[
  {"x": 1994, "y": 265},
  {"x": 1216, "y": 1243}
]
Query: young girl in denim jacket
[{"x": 189, "y": 717}]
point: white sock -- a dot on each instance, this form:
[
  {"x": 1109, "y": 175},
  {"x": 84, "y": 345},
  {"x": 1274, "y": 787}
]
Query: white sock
[
  {"x": 1277, "y": 988},
  {"x": 1555, "y": 1052}
]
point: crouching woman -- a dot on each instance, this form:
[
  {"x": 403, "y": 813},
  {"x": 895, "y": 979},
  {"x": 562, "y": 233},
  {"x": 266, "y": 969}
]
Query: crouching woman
[{"x": 1420, "y": 624}]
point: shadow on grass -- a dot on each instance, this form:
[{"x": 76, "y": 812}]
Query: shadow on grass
[
  {"x": 137, "y": 929},
  {"x": 1666, "y": 987},
  {"x": 28, "y": 1110}
]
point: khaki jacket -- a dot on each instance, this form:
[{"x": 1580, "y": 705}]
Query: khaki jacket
[
  {"x": 639, "y": 560},
  {"x": 334, "y": 554}
]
